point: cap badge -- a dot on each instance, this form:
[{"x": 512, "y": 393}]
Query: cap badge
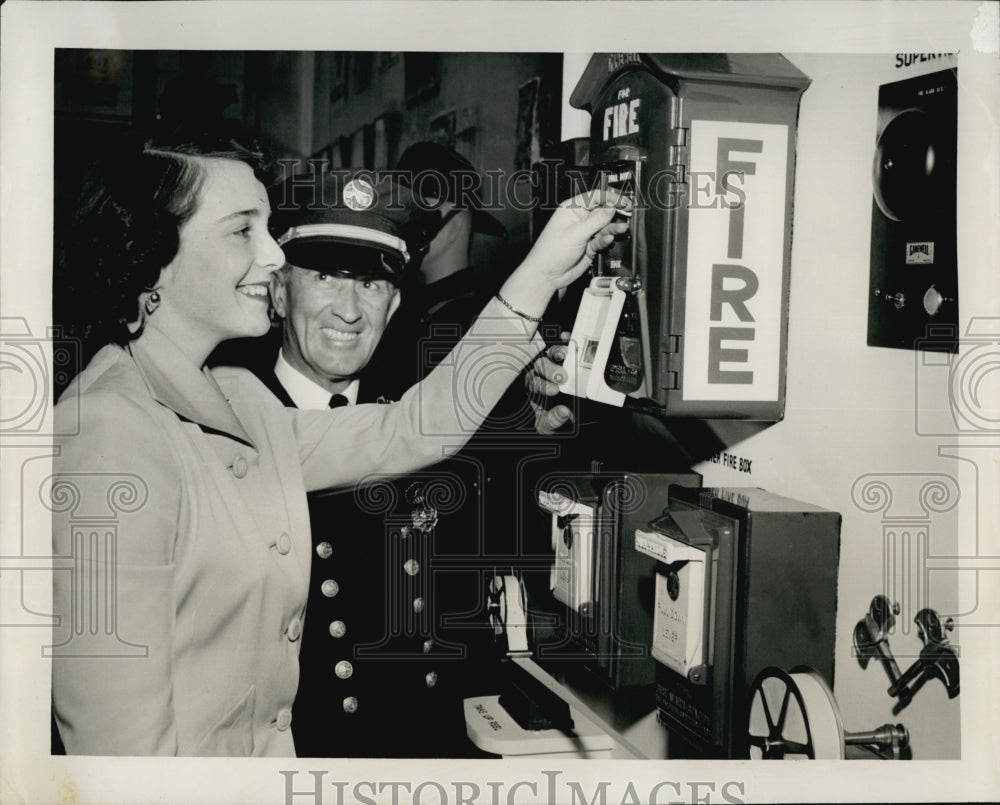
[{"x": 358, "y": 195}]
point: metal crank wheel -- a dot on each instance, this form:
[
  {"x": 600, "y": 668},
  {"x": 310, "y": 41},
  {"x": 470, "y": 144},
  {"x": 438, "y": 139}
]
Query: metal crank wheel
[{"x": 793, "y": 716}]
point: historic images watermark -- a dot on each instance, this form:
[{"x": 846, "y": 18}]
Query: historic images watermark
[
  {"x": 971, "y": 377},
  {"x": 32, "y": 365},
  {"x": 955, "y": 402},
  {"x": 313, "y": 787},
  {"x": 483, "y": 365},
  {"x": 551, "y": 183}
]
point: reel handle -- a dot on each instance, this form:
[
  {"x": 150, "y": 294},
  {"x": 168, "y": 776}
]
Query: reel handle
[
  {"x": 793, "y": 714},
  {"x": 894, "y": 737}
]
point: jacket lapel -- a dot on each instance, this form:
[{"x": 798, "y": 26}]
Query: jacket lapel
[
  {"x": 269, "y": 379},
  {"x": 185, "y": 389}
]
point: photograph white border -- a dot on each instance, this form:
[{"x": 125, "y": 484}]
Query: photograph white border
[{"x": 30, "y": 33}]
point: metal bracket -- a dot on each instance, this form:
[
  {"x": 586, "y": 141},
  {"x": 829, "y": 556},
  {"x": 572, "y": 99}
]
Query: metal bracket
[{"x": 937, "y": 658}]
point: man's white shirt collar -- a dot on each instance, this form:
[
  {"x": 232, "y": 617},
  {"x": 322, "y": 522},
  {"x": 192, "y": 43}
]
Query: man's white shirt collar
[{"x": 306, "y": 393}]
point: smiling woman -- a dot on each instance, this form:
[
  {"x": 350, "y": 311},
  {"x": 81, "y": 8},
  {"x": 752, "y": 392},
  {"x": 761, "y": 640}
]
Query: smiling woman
[
  {"x": 215, "y": 287},
  {"x": 205, "y": 576}
]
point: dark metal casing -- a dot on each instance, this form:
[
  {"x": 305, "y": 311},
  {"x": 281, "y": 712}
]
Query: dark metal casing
[
  {"x": 770, "y": 600},
  {"x": 609, "y": 633}
]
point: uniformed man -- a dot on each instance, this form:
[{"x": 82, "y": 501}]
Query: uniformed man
[{"x": 375, "y": 679}]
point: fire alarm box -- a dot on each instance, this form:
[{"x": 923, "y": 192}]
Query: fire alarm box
[
  {"x": 686, "y": 315},
  {"x": 744, "y": 580},
  {"x": 601, "y": 586}
]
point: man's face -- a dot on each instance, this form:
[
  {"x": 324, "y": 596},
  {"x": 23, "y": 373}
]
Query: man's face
[{"x": 332, "y": 323}]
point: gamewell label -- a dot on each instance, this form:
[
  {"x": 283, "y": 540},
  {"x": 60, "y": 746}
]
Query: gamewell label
[
  {"x": 920, "y": 253},
  {"x": 735, "y": 255}
]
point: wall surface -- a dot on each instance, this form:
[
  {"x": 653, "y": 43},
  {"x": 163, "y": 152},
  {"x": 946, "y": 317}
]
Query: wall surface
[
  {"x": 851, "y": 437},
  {"x": 485, "y": 122},
  {"x": 872, "y": 432},
  {"x": 850, "y": 408}
]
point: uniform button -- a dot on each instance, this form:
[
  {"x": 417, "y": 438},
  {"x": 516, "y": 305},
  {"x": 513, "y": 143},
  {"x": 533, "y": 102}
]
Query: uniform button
[
  {"x": 418, "y": 604},
  {"x": 343, "y": 669},
  {"x": 330, "y": 588},
  {"x": 404, "y": 532},
  {"x": 428, "y": 645},
  {"x": 284, "y": 720},
  {"x": 240, "y": 466},
  {"x": 412, "y": 567},
  {"x": 338, "y": 629},
  {"x": 324, "y": 550},
  {"x": 431, "y": 679},
  {"x": 284, "y": 543},
  {"x": 294, "y": 629},
  {"x": 351, "y": 704}
]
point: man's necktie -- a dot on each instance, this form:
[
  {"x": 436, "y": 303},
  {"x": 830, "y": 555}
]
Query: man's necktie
[{"x": 338, "y": 400}]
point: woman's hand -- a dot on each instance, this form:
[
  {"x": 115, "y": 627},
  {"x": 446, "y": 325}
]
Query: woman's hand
[{"x": 579, "y": 228}]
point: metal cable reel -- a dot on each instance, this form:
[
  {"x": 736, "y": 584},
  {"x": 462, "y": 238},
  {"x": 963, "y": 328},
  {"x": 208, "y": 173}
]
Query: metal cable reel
[
  {"x": 794, "y": 716},
  {"x": 507, "y": 605}
]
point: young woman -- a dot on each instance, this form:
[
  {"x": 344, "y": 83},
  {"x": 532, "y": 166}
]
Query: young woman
[{"x": 202, "y": 581}]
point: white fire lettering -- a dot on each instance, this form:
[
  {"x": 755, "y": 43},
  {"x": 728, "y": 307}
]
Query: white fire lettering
[{"x": 620, "y": 119}]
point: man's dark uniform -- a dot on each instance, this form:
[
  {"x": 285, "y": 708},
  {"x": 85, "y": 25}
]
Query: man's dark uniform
[{"x": 381, "y": 675}]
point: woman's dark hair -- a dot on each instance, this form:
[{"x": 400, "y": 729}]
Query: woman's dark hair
[{"x": 125, "y": 228}]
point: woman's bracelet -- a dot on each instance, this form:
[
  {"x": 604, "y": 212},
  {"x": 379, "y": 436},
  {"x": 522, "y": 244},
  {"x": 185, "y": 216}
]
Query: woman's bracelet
[{"x": 510, "y": 307}]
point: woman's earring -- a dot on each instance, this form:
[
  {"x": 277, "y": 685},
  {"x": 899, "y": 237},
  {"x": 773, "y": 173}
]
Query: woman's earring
[{"x": 152, "y": 303}]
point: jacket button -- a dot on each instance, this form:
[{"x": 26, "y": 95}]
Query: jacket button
[
  {"x": 294, "y": 629},
  {"x": 330, "y": 588},
  {"x": 351, "y": 704},
  {"x": 284, "y": 720},
  {"x": 324, "y": 550},
  {"x": 240, "y": 466},
  {"x": 431, "y": 679},
  {"x": 343, "y": 669},
  {"x": 418, "y": 604},
  {"x": 284, "y": 543},
  {"x": 412, "y": 567},
  {"x": 428, "y": 645},
  {"x": 338, "y": 629}
]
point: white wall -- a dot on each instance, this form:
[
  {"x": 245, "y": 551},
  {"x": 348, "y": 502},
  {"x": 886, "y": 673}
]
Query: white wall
[
  {"x": 852, "y": 410},
  {"x": 850, "y": 407}
]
